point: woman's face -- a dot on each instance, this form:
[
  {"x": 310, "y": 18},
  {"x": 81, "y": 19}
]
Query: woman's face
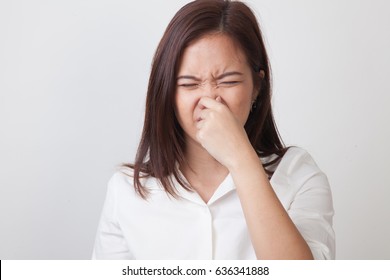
[{"x": 213, "y": 66}]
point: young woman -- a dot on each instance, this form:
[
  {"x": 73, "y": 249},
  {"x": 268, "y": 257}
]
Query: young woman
[{"x": 212, "y": 179}]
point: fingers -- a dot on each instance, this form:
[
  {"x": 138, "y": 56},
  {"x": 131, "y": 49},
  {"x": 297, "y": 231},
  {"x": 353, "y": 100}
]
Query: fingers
[
  {"x": 209, "y": 110},
  {"x": 210, "y": 103},
  {"x": 203, "y": 114},
  {"x": 207, "y": 105},
  {"x": 206, "y": 115}
]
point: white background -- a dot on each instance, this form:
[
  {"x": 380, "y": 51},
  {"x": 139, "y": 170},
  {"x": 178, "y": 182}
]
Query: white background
[{"x": 73, "y": 77}]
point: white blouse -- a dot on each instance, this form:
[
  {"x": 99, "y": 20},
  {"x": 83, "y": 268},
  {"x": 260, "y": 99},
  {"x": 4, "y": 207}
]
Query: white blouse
[{"x": 163, "y": 227}]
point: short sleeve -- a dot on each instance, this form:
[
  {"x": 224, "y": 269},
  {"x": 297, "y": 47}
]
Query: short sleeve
[
  {"x": 311, "y": 209},
  {"x": 110, "y": 242}
]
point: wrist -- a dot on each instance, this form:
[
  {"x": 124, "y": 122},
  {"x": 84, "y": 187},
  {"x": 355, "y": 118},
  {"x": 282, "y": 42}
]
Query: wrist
[{"x": 245, "y": 159}]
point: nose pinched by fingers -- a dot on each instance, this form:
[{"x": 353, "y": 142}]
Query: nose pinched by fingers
[{"x": 205, "y": 104}]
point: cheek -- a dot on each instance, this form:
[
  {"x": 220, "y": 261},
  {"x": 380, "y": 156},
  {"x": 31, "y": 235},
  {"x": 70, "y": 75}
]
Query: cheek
[
  {"x": 185, "y": 106},
  {"x": 239, "y": 104},
  {"x": 241, "y": 110}
]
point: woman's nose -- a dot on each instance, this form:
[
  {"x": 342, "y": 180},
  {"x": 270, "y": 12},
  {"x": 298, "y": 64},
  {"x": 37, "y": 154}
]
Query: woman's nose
[{"x": 210, "y": 90}]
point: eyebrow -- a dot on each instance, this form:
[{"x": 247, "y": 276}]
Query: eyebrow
[{"x": 224, "y": 75}]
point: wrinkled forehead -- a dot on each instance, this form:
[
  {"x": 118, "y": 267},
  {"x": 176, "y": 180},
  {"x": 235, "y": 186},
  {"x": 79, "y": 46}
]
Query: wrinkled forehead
[{"x": 212, "y": 53}]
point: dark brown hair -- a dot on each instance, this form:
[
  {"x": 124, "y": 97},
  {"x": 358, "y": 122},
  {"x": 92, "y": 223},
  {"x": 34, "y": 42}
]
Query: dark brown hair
[{"x": 162, "y": 142}]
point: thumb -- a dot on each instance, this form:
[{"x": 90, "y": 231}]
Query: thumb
[{"x": 220, "y": 100}]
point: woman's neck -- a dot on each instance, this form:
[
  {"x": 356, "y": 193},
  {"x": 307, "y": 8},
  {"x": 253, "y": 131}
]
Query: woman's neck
[
  {"x": 202, "y": 171},
  {"x": 199, "y": 161}
]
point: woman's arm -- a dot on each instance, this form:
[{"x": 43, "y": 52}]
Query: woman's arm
[{"x": 273, "y": 234}]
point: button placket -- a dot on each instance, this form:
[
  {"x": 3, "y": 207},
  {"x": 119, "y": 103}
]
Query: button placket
[{"x": 208, "y": 226}]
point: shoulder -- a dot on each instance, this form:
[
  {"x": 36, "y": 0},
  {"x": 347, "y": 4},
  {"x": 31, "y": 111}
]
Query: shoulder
[
  {"x": 119, "y": 184},
  {"x": 298, "y": 173},
  {"x": 122, "y": 182},
  {"x": 297, "y": 162},
  {"x": 122, "y": 178}
]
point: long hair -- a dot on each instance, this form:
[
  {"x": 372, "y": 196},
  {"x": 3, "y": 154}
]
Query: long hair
[{"x": 162, "y": 143}]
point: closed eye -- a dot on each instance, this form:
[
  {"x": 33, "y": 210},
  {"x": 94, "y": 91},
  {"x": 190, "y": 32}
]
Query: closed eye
[
  {"x": 230, "y": 83},
  {"x": 188, "y": 85}
]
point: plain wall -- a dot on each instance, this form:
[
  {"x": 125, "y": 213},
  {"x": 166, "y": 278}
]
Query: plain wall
[{"x": 73, "y": 78}]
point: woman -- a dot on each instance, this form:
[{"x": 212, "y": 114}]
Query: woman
[{"x": 212, "y": 179}]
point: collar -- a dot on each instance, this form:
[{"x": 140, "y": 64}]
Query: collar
[{"x": 223, "y": 189}]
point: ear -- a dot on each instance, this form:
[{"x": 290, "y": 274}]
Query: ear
[
  {"x": 261, "y": 74},
  {"x": 256, "y": 90},
  {"x": 255, "y": 93}
]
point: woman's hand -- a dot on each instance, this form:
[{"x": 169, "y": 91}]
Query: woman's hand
[{"x": 220, "y": 133}]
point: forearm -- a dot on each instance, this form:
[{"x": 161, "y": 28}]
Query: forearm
[{"x": 273, "y": 234}]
